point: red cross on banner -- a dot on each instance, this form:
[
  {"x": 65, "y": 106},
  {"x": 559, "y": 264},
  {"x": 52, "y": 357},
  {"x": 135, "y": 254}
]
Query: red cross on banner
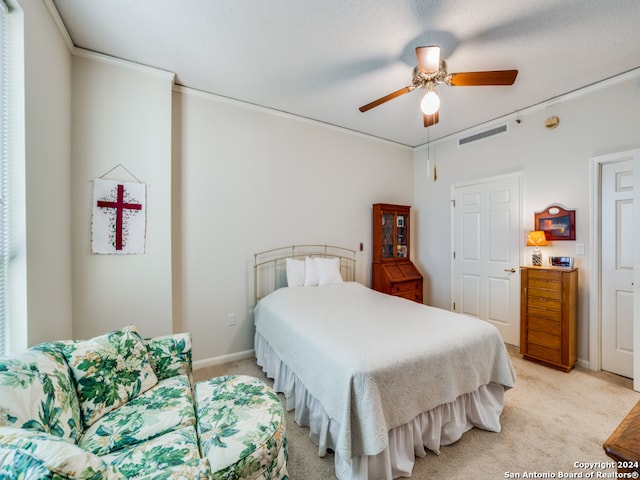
[
  {"x": 119, "y": 211},
  {"x": 120, "y": 207}
]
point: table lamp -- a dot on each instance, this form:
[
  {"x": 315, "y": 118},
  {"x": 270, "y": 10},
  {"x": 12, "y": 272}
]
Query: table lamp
[{"x": 536, "y": 239}]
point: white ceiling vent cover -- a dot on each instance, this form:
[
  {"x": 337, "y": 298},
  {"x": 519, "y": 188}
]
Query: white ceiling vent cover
[{"x": 482, "y": 135}]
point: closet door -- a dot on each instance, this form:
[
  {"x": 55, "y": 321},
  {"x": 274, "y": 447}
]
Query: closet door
[
  {"x": 617, "y": 267},
  {"x": 486, "y": 258}
]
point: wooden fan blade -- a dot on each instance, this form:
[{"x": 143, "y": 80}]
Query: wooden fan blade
[
  {"x": 488, "y": 78},
  {"x": 386, "y": 98},
  {"x": 428, "y": 59},
  {"x": 430, "y": 119}
]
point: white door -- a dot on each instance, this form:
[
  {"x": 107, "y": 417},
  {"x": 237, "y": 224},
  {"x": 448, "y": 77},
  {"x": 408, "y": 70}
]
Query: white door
[
  {"x": 486, "y": 241},
  {"x": 617, "y": 267}
]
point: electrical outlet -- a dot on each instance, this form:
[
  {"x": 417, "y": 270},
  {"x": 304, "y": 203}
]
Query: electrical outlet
[
  {"x": 579, "y": 248},
  {"x": 231, "y": 319}
]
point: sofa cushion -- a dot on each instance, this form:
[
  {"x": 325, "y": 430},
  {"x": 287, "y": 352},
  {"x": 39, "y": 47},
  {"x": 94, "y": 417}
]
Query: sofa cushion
[
  {"x": 60, "y": 457},
  {"x": 241, "y": 426},
  {"x": 163, "y": 407},
  {"x": 109, "y": 370},
  {"x": 17, "y": 464},
  {"x": 172, "y": 455},
  {"x": 37, "y": 392},
  {"x": 170, "y": 355}
]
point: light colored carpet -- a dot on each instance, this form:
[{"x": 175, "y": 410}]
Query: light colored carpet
[{"x": 552, "y": 423}]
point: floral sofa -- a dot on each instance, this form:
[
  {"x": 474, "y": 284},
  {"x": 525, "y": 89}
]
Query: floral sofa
[{"x": 118, "y": 406}]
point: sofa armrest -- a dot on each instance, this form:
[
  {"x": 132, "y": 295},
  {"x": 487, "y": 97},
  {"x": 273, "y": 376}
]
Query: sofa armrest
[
  {"x": 41, "y": 451},
  {"x": 170, "y": 355}
]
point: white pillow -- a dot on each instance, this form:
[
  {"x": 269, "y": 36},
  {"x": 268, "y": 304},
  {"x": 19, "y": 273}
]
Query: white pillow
[
  {"x": 327, "y": 270},
  {"x": 310, "y": 275},
  {"x": 295, "y": 272}
]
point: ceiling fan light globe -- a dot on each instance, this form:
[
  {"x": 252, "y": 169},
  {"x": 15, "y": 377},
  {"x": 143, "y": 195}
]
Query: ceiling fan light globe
[{"x": 430, "y": 103}]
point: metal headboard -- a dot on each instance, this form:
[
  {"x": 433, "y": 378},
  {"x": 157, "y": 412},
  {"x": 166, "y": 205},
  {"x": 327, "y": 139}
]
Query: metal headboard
[{"x": 270, "y": 266}]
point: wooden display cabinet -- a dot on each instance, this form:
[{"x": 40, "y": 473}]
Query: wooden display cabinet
[{"x": 392, "y": 271}]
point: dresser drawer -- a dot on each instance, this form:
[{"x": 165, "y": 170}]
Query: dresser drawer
[
  {"x": 542, "y": 302},
  {"x": 543, "y": 275},
  {"x": 555, "y": 294},
  {"x": 415, "y": 295},
  {"x": 400, "y": 287},
  {"x": 544, "y": 353},
  {"x": 544, "y": 339},
  {"x": 538, "y": 311},
  {"x": 546, "y": 283},
  {"x": 544, "y": 324}
]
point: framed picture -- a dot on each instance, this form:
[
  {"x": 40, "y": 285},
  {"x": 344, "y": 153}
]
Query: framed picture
[
  {"x": 557, "y": 223},
  {"x": 400, "y": 221}
]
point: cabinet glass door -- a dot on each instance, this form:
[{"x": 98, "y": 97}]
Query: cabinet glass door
[
  {"x": 402, "y": 250},
  {"x": 388, "y": 232}
]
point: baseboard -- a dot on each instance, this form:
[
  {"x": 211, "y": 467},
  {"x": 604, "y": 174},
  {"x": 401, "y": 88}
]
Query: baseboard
[
  {"x": 583, "y": 364},
  {"x": 233, "y": 357}
]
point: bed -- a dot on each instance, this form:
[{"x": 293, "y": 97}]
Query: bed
[{"x": 378, "y": 379}]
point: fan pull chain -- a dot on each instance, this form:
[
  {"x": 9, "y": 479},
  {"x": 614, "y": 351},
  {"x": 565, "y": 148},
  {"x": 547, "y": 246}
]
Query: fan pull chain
[
  {"x": 435, "y": 167},
  {"x": 428, "y": 154},
  {"x": 435, "y": 170}
]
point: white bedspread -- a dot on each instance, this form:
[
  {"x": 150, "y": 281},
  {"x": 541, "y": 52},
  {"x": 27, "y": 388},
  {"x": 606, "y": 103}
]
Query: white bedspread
[{"x": 374, "y": 361}]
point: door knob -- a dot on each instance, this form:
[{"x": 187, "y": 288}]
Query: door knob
[{"x": 511, "y": 270}]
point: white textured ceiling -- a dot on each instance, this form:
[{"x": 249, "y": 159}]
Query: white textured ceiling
[{"x": 322, "y": 59}]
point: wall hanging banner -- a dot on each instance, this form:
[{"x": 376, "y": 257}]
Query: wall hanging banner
[{"x": 118, "y": 224}]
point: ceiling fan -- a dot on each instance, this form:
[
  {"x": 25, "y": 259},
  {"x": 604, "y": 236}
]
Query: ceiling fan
[{"x": 431, "y": 71}]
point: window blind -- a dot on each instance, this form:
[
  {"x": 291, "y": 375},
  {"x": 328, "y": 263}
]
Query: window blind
[{"x": 4, "y": 184}]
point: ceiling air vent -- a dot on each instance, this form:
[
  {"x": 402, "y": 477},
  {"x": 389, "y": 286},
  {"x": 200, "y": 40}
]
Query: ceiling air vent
[{"x": 480, "y": 135}]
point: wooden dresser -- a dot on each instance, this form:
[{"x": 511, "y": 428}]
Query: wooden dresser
[
  {"x": 392, "y": 271},
  {"x": 549, "y": 315}
]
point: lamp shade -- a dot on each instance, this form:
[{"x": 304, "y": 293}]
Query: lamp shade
[{"x": 536, "y": 238}]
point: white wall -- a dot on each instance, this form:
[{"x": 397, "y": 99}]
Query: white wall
[
  {"x": 251, "y": 180},
  {"x": 556, "y": 166},
  {"x": 47, "y": 123},
  {"x": 121, "y": 115}
]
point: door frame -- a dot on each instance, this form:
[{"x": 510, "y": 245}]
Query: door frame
[
  {"x": 519, "y": 176},
  {"x": 595, "y": 274}
]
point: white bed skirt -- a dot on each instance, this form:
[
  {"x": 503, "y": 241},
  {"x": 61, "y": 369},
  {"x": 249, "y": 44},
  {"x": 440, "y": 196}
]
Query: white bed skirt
[{"x": 442, "y": 425}]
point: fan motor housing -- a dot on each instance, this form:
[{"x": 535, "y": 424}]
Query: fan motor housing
[{"x": 420, "y": 79}]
